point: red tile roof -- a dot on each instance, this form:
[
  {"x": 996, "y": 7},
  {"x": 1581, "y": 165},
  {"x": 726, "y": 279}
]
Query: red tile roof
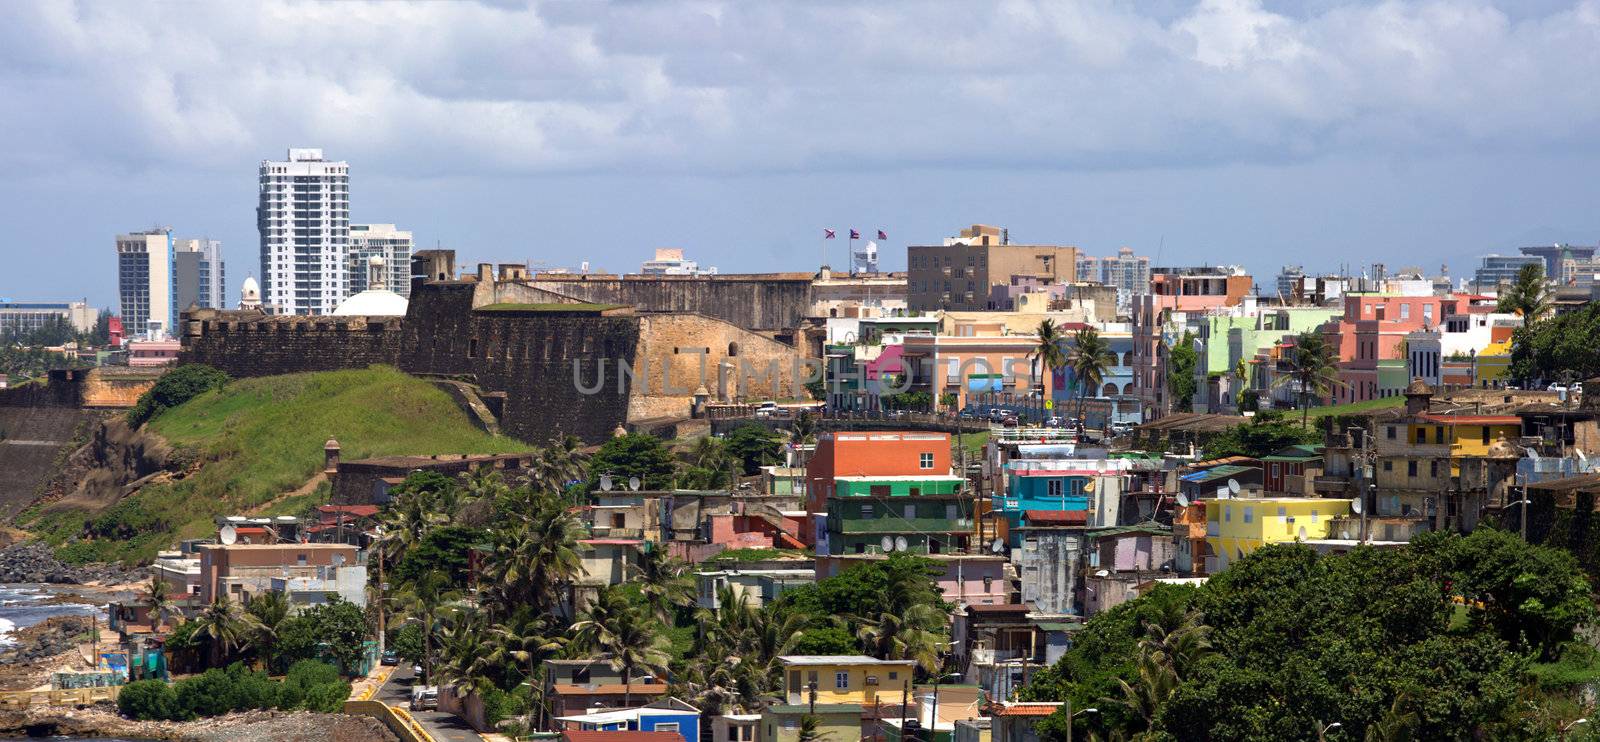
[
  {"x": 1024, "y": 709},
  {"x": 1055, "y": 517},
  {"x": 1002, "y": 608},
  {"x": 578, "y": 736},
  {"x": 364, "y": 511}
]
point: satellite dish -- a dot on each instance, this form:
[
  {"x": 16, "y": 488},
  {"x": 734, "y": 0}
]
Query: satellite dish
[
  {"x": 605, "y": 482},
  {"x": 228, "y": 535},
  {"x": 633, "y": 483},
  {"x": 338, "y": 560},
  {"x": 887, "y": 542},
  {"x": 1102, "y": 573},
  {"x": 1233, "y": 486},
  {"x": 1355, "y": 506},
  {"x": 1183, "y": 500},
  {"x": 998, "y": 546},
  {"x": 900, "y": 543}
]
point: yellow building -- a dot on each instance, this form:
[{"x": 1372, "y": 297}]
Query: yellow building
[
  {"x": 843, "y": 679},
  {"x": 1443, "y": 467},
  {"x": 1236, "y": 527},
  {"x": 1491, "y": 367}
]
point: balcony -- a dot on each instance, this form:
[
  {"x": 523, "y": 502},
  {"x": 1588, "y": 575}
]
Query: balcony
[
  {"x": 609, "y": 532},
  {"x": 987, "y": 656},
  {"x": 905, "y": 525}
]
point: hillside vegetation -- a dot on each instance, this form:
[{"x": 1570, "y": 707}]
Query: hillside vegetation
[{"x": 258, "y": 441}]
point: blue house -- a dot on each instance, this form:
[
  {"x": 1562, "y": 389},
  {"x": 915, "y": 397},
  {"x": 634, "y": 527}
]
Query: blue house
[{"x": 666, "y": 715}]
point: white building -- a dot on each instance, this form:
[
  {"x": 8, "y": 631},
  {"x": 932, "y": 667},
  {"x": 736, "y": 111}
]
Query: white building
[
  {"x": 198, "y": 273},
  {"x": 670, "y": 262},
  {"x": 146, "y": 284},
  {"x": 384, "y": 241},
  {"x": 304, "y": 221}
]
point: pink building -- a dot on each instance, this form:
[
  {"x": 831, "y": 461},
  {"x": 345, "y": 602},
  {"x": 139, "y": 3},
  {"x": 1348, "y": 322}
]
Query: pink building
[
  {"x": 146, "y": 353},
  {"x": 1372, "y": 330},
  {"x": 966, "y": 579}
]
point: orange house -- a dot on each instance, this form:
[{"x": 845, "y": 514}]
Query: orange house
[{"x": 868, "y": 454}]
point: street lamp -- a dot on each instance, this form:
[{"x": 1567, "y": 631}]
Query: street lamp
[
  {"x": 1322, "y": 731},
  {"x": 1567, "y": 727},
  {"x": 1073, "y": 715},
  {"x": 1524, "y": 502}
]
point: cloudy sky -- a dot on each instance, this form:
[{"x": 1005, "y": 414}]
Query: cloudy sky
[{"x": 1305, "y": 132}]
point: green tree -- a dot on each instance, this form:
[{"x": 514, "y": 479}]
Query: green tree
[
  {"x": 445, "y": 548},
  {"x": 1181, "y": 362},
  {"x": 1528, "y": 295},
  {"x": 269, "y": 610},
  {"x": 624, "y": 637},
  {"x": 754, "y": 446},
  {"x": 1533, "y": 596},
  {"x": 1313, "y": 371},
  {"x": 149, "y": 700},
  {"x": 633, "y": 455},
  {"x": 533, "y": 556},
  {"x": 225, "y": 627},
  {"x": 158, "y": 599},
  {"x": 1266, "y": 433},
  {"x": 1089, "y": 359},
  {"x": 664, "y": 582},
  {"x": 1563, "y": 346},
  {"x": 175, "y": 387},
  {"x": 1046, "y": 353}
]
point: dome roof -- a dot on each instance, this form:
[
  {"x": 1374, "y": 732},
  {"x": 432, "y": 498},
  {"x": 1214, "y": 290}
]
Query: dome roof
[
  {"x": 372, "y": 303},
  {"x": 250, "y": 289},
  {"x": 1503, "y": 449},
  {"x": 1418, "y": 386}
]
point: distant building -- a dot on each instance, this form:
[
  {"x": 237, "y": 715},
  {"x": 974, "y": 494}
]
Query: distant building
[
  {"x": 1291, "y": 281},
  {"x": 1496, "y": 270},
  {"x": 156, "y": 352},
  {"x": 200, "y": 276},
  {"x": 306, "y": 573},
  {"x": 1124, "y": 271},
  {"x": 384, "y": 241},
  {"x": 1199, "y": 288},
  {"x": 145, "y": 282},
  {"x": 21, "y": 317},
  {"x": 303, "y": 217},
  {"x": 670, "y": 262},
  {"x": 1563, "y": 262},
  {"x": 962, "y": 273}
]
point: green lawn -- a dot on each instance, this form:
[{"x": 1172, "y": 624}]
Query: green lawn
[
  {"x": 1382, "y": 403},
  {"x": 260, "y": 438}
]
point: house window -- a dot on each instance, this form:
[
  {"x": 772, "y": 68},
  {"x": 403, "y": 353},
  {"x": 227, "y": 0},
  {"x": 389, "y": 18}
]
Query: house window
[
  {"x": 879, "y": 490},
  {"x": 1405, "y": 311},
  {"x": 1390, "y": 430},
  {"x": 1053, "y": 487},
  {"x": 841, "y": 680},
  {"x": 1275, "y": 469},
  {"x": 1282, "y": 511},
  {"x": 1485, "y": 435},
  {"x": 1388, "y": 466},
  {"x": 866, "y": 510},
  {"x": 894, "y": 674},
  {"x": 1438, "y": 434},
  {"x": 1313, "y": 516},
  {"x": 1227, "y": 513},
  {"x": 670, "y": 726},
  {"x": 926, "y": 461},
  {"x": 1249, "y": 514},
  {"x": 1422, "y": 435},
  {"x": 1411, "y": 468},
  {"x": 1433, "y": 468}
]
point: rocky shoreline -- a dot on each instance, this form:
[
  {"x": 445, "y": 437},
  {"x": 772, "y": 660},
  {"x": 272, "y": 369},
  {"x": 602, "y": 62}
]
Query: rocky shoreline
[
  {"x": 42, "y": 649},
  {"x": 258, "y": 726},
  {"x": 35, "y": 562}
]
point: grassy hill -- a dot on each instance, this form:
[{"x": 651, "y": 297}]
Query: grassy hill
[{"x": 259, "y": 439}]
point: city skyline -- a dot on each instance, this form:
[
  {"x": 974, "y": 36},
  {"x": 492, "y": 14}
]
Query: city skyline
[{"x": 1220, "y": 132}]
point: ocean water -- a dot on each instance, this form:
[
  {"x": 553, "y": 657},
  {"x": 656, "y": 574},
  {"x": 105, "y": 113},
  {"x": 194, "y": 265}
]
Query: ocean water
[{"x": 22, "y": 605}]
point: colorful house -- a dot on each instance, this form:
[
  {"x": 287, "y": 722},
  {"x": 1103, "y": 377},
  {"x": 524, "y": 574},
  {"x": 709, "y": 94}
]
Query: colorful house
[
  {"x": 1237, "y": 526},
  {"x": 1290, "y": 471},
  {"x": 667, "y": 715}
]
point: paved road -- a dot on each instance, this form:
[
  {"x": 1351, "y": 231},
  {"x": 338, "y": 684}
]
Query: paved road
[{"x": 442, "y": 726}]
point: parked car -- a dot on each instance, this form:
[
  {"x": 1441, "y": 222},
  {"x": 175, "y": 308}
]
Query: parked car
[
  {"x": 1054, "y": 422},
  {"x": 767, "y": 409},
  {"x": 390, "y": 657},
  {"x": 424, "y": 698},
  {"x": 1009, "y": 421}
]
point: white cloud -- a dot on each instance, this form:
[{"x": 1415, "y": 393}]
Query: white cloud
[{"x": 707, "y": 86}]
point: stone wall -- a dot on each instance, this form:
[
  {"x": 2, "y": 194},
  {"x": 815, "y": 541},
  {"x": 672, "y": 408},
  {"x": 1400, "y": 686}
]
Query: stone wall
[
  {"x": 248, "y": 343},
  {"x": 778, "y": 301},
  {"x": 691, "y": 348}
]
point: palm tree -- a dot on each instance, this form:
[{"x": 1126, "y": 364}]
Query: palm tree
[
  {"x": 711, "y": 453},
  {"x": 1528, "y": 295},
  {"x": 1312, "y": 369},
  {"x": 804, "y": 429},
  {"x": 1089, "y": 359},
  {"x": 423, "y": 600},
  {"x": 556, "y": 464},
  {"x": 811, "y": 729},
  {"x": 160, "y": 602},
  {"x": 467, "y": 660},
  {"x": 405, "y": 522},
  {"x": 1046, "y": 350},
  {"x": 269, "y": 610},
  {"x": 535, "y": 556},
  {"x": 532, "y": 642},
  {"x": 225, "y": 626},
  {"x": 1178, "y": 647},
  {"x": 914, "y": 634},
  {"x": 664, "y": 583},
  {"x": 624, "y": 637}
]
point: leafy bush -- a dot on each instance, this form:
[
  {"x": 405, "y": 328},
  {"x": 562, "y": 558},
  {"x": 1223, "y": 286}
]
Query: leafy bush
[
  {"x": 407, "y": 642},
  {"x": 218, "y": 691},
  {"x": 755, "y": 446},
  {"x": 314, "y": 686},
  {"x": 149, "y": 700},
  {"x": 174, "y": 388},
  {"x": 499, "y": 705}
]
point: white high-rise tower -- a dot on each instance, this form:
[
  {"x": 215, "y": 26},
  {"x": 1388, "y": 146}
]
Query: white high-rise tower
[{"x": 304, "y": 221}]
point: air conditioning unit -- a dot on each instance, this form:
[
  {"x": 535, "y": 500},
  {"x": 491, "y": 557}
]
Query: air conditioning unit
[{"x": 872, "y": 680}]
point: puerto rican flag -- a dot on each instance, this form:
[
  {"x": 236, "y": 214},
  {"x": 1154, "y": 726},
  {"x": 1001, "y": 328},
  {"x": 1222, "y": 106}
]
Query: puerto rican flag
[
  {"x": 882, "y": 235},
  {"x": 827, "y": 234},
  {"x": 854, "y": 235}
]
